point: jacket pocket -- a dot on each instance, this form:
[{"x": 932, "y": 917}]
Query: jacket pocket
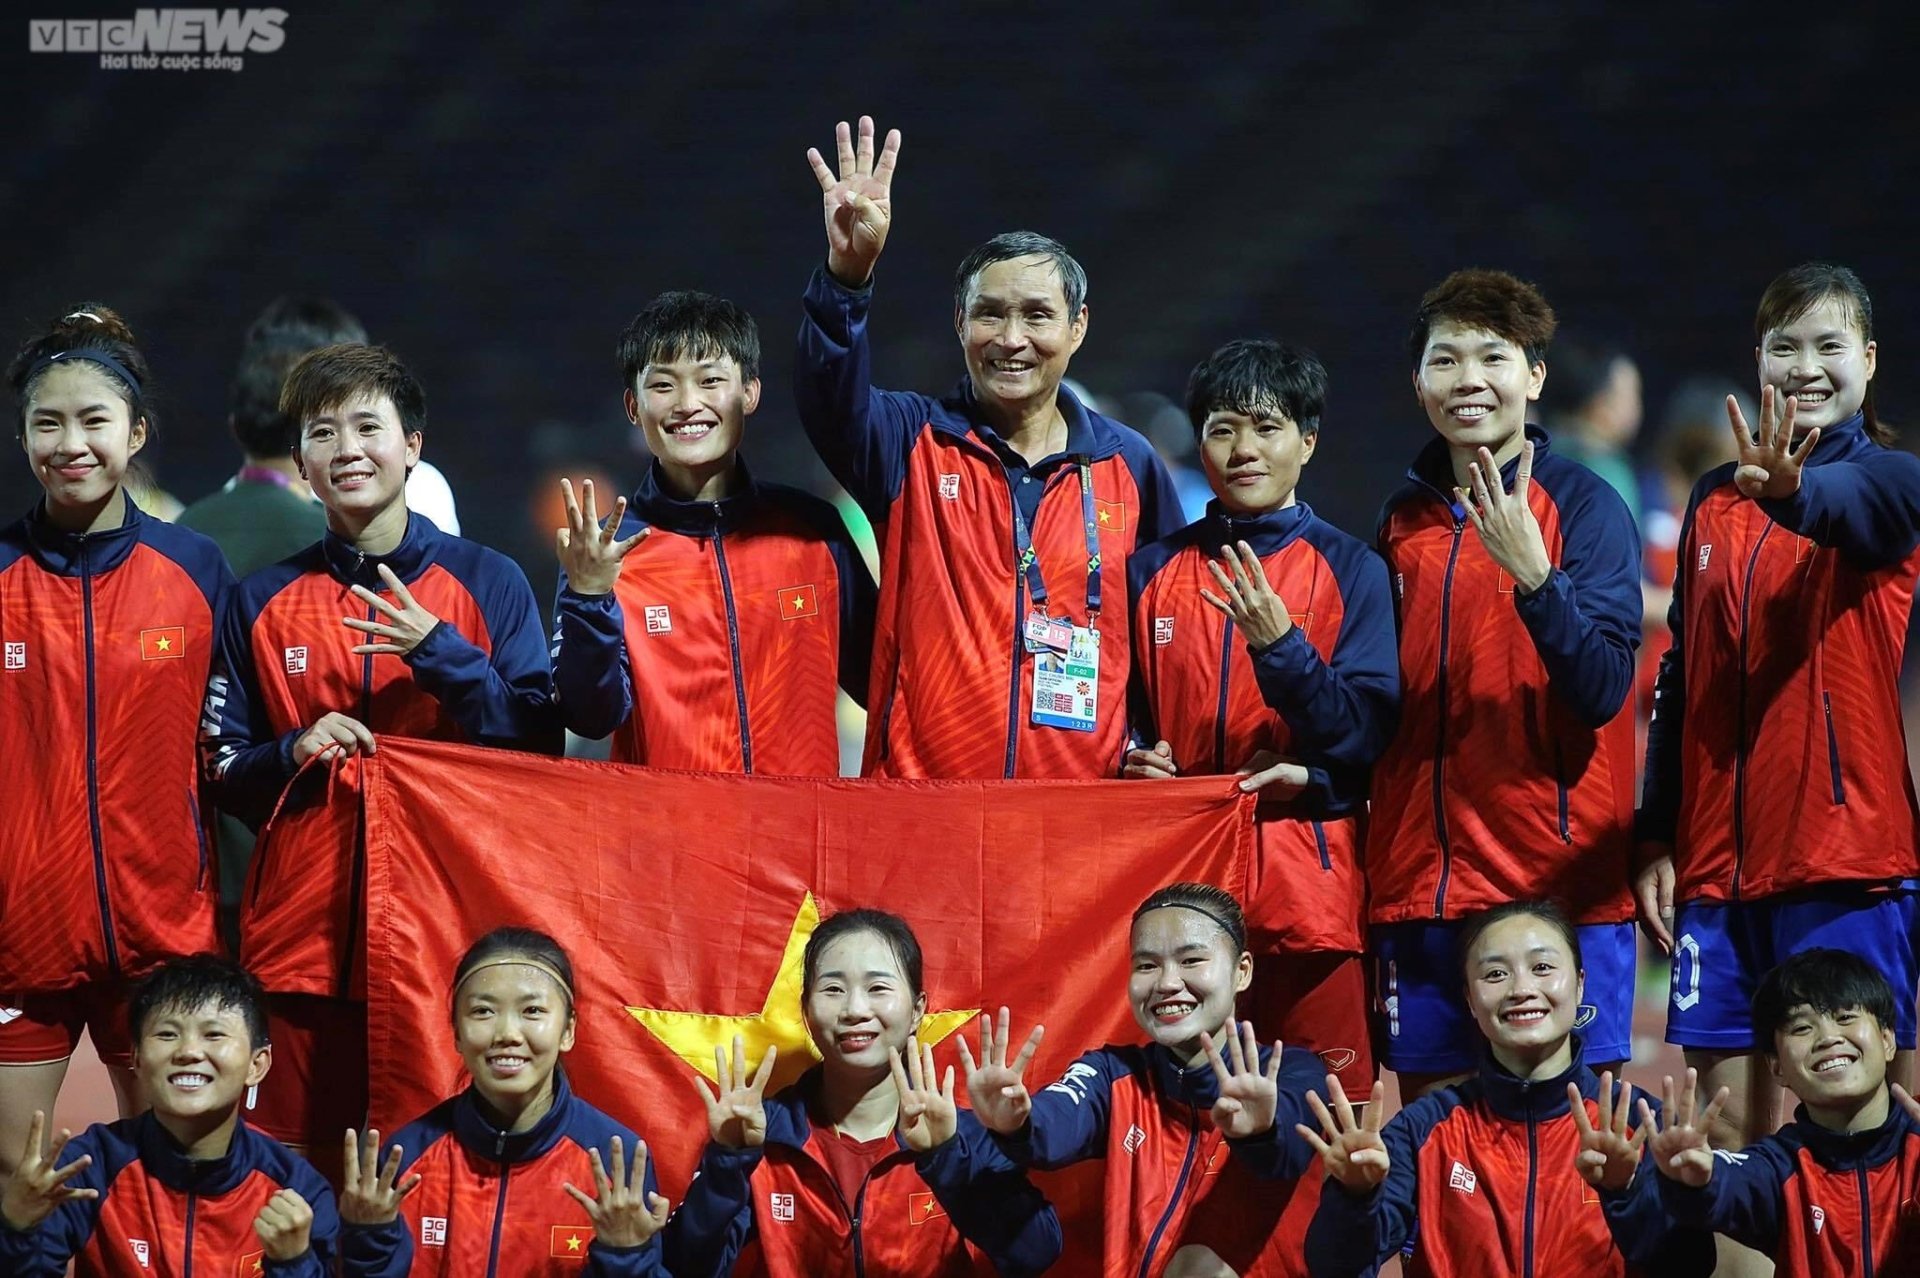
[{"x": 1833, "y": 750}]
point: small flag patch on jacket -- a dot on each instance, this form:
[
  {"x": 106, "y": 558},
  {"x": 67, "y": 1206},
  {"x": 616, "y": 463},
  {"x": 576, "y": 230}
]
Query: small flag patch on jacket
[
  {"x": 163, "y": 642},
  {"x": 254, "y": 1262},
  {"x": 923, "y": 1207},
  {"x": 1110, "y": 516},
  {"x": 569, "y": 1240},
  {"x": 798, "y": 601}
]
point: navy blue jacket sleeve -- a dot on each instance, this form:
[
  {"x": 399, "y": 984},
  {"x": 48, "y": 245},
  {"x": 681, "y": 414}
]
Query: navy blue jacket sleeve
[
  {"x": 1354, "y": 1234},
  {"x": 862, "y": 434},
  {"x": 504, "y": 698},
  {"x": 1280, "y": 1154},
  {"x": 1069, "y": 1120},
  {"x": 245, "y": 765},
  {"x": 1868, "y": 510},
  {"x": 1339, "y": 714},
  {"x": 1659, "y": 812},
  {"x": 1743, "y": 1200},
  {"x": 376, "y": 1251},
  {"x": 715, "y": 1220},
  {"x": 1653, "y": 1243},
  {"x": 591, "y": 678},
  {"x": 43, "y": 1251},
  {"x": 993, "y": 1204},
  {"x": 1585, "y": 621},
  {"x": 859, "y": 601}
]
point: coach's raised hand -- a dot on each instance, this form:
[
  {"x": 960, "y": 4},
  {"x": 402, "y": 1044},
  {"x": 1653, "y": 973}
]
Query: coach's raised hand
[
  {"x": 858, "y": 202},
  {"x": 997, "y": 1088},
  {"x": 591, "y": 552},
  {"x": 737, "y": 1113}
]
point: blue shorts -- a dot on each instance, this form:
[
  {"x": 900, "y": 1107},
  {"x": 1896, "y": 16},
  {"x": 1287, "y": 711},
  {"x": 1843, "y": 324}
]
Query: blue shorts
[
  {"x": 1721, "y": 950},
  {"x": 1421, "y": 1021}
]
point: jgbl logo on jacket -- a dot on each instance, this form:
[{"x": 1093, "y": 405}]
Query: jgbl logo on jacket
[
  {"x": 569, "y": 1241},
  {"x": 798, "y": 601},
  {"x": 16, "y": 656},
  {"x": 923, "y": 1207},
  {"x": 1462, "y": 1178},
  {"x": 163, "y": 642},
  {"x": 659, "y": 622},
  {"x": 296, "y": 659},
  {"x": 781, "y": 1205},
  {"x": 1135, "y": 1138},
  {"x": 141, "y": 1252},
  {"x": 1162, "y": 631},
  {"x": 1819, "y": 1221},
  {"x": 1706, "y": 553},
  {"x": 433, "y": 1231},
  {"x": 950, "y": 487}
]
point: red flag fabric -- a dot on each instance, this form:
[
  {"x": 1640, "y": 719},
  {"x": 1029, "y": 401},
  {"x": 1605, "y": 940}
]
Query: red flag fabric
[{"x": 685, "y": 899}]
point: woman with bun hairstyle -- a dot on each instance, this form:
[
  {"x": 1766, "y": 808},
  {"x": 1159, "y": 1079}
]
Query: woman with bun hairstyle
[
  {"x": 106, "y": 624},
  {"x": 496, "y": 1181}
]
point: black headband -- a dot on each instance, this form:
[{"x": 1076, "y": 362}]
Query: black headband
[
  {"x": 97, "y": 354},
  {"x": 1221, "y": 923}
]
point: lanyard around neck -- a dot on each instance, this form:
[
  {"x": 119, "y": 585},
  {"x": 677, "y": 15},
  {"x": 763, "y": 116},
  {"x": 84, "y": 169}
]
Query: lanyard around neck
[{"x": 1029, "y": 561}]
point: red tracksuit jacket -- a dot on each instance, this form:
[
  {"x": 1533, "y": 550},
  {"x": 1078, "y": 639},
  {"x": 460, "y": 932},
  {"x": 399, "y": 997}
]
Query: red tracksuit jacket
[
  {"x": 160, "y": 1214},
  {"x": 724, "y": 637},
  {"x": 1776, "y": 758},
  {"x": 1325, "y": 695},
  {"x": 1171, "y": 1177},
  {"x": 960, "y": 1209},
  {"x": 1482, "y": 1182},
  {"x": 1511, "y": 775},
  {"x": 481, "y": 675},
  {"x": 1823, "y": 1204},
  {"x": 104, "y": 868},
  {"x": 490, "y": 1203},
  {"x": 952, "y": 687}
]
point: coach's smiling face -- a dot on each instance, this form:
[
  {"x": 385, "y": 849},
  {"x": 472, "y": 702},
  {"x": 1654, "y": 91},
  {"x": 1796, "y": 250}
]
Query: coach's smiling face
[{"x": 1017, "y": 334}]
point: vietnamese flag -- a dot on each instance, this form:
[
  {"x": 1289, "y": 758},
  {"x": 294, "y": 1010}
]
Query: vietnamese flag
[{"x": 685, "y": 898}]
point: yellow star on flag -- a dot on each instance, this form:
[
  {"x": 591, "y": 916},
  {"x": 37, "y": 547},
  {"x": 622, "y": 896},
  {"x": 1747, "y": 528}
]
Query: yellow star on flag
[
  {"x": 573, "y": 1242},
  {"x": 1106, "y": 516},
  {"x": 692, "y": 1036},
  {"x": 163, "y": 643}
]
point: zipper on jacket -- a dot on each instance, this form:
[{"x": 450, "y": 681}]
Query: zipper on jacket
[
  {"x": 1226, "y": 676},
  {"x": 1440, "y": 733},
  {"x": 1533, "y": 1176},
  {"x": 1866, "y": 1225},
  {"x": 1740, "y": 742},
  {"x": 859, "y": 1208},
  {"x": 193, "y": 1200},
  {"x": 1560, "y": 785},
  {"x": 1320, "y": 841},
  {"x": 357, "y": 874},
  {"x": 499, "y": 1206},
  {"x": 733, "y": 645},
  {"x": 1019, "y": 633},
  {"x": 199, "y": 837},
  {"x": 1833, "y": 750},
  {"x": 1179, "y": 1187},
  {"x": 93, "y": 766}
]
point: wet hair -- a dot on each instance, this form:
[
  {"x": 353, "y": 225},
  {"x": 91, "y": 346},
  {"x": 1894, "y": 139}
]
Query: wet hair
[
  {"x": 1825, "y": 980},
  {"x": 1251, "y": 376},
  {"x": 187, "y": 984},
  {"x": 890, "y": 928},
  {"x": 325, "y": 379},
  {"x": 289, "y": 328},
  {"x": 1493, "y": 301},
  {"x": 686, "y": 325},
  {"x": 1582, "y": 370},
  {"x": 1545, "y": 911},
  {"x": 505, "y": 944},
  {"x": 1011, "y": 245},
  {"x": 89, "y": 333},
  {"x": 1793, "y": 293},
  {"x": 1217, "y": 904}
]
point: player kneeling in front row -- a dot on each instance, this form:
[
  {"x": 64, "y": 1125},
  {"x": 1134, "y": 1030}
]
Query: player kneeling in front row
[{"x": 186, "y": 1187}]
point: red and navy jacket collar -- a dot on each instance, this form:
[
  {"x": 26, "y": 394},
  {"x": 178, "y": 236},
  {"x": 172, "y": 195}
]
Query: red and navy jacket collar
[
  {"x": 1196, "y": 1084},
  {"x": 1087, "y": 434},
  {"x": 1851, "y": 1151},
  {"x": 1842, "y": 441},
  {"x": 416, "y": 552},
  {"x": 1266, "y": 532},
  {"x": 655, "y": 505},
  {"x": 1432, "y": 467},
  {"x": 1520, "y": 1099},
  {"x": 167, "y": 1162},
  {"x": 59, "y": 551},
  {"x": 477, "y": 1133},
  {"x": 789, "y": 1113}
]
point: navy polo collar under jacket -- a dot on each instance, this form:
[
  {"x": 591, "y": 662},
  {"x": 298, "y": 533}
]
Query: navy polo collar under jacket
[
  {"x": 60, "y": 552},
  {"x": 474, "y": 1131},
  {"x": 1851, "y": 1151},
  {"x": 408, "y": 560},
  {"x": 658, "y": 506},
  {"x": 1266, "y": 532},
  {"x": 1520, "y": 1099},
  {"x": 1082, "y": 440},
  {"x": 163, "y": 1158},
  {"x": 1433, "y": 465}
]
